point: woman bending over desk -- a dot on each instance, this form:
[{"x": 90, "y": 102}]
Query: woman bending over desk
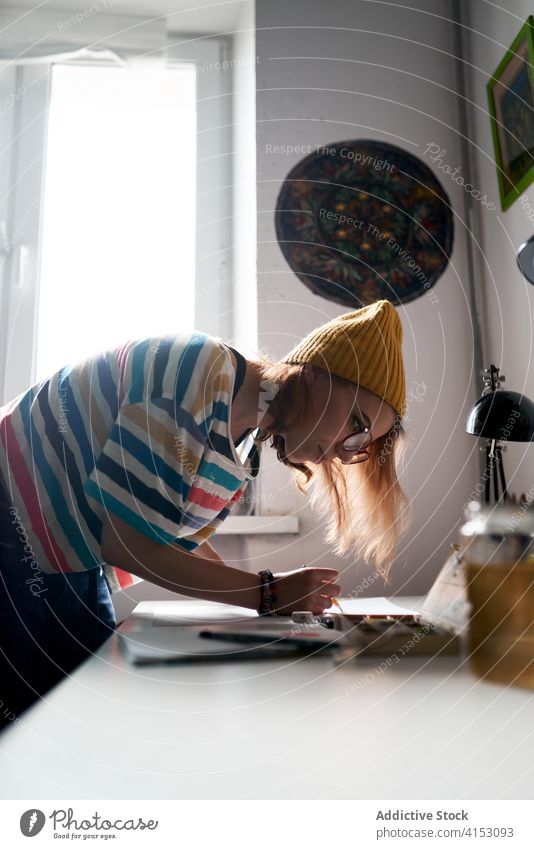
[{"x": 125, "y": 464}]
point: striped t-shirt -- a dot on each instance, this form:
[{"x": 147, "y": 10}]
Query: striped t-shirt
[{"x": 140, "y": 432}]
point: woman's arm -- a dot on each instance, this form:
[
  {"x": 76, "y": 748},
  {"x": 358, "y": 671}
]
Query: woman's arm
[
  {"x": 206, "y": 550},
  {"x": 180, "y": 571},
  {"x": 208, "y": 577}
]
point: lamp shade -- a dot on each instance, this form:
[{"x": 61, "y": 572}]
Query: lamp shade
[
  {"x": 525, "y": 259},
  {"x": 502, "y": 415}
]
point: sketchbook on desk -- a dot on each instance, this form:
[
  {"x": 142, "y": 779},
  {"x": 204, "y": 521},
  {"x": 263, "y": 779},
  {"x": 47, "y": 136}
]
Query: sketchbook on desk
[{"x": 251, "y": 640}]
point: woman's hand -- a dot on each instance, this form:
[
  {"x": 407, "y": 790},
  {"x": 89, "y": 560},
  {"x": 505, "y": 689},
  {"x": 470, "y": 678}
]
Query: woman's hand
[{"x": 307, "y": 588}]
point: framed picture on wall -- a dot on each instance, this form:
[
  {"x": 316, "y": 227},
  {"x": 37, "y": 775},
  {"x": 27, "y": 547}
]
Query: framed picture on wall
[{"x": 511, "y": 106}]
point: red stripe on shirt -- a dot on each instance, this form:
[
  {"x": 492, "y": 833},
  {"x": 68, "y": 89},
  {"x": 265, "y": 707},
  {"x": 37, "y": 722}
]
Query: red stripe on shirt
[
  {"x": 26, "y": 487},
  {"x": 205, "y": 499}
]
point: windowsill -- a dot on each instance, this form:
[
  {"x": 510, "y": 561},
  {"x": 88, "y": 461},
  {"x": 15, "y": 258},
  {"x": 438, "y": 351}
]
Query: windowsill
[{"x": 259, "y": 525}]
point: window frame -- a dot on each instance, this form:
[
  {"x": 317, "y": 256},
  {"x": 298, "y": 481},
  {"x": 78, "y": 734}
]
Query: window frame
[
  {"x": 214, "y": 199},
  {"x": 23, "y": 225}
]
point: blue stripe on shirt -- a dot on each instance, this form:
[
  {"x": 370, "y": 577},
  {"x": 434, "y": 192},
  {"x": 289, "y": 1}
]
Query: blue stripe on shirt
[
  {"x": 72, "y": 415},
  {"x": 59, "y": 504},
  {"x": 161, "y": 361},
  {"x": 143, "y": 493},
  {"x": 186, "y": 365},
  {"x": 138, "y": 389},
  {"x": 107, "y": 385},
  {"x": 220, "y": 476},
  {"x": 180, "y": 417},
  {"x": 148, "y": 458},
  {"x": 65, "y": 457},
  {"x": 135, "y": 520}
]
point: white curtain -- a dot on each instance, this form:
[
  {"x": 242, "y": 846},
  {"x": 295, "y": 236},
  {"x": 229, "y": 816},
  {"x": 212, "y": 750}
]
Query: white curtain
[{"x": 40, "y": 36}]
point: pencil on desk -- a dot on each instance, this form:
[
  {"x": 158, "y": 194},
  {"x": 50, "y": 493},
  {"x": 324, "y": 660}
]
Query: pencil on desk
[{"x": 337, "y": 604}]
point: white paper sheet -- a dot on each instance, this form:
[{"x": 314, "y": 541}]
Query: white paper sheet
[
  {"x": 180, "y": 612},
  {"x": 375, "y": 606}
]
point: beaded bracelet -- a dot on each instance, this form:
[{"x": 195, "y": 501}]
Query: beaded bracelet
[{"x": 269, "y": 596}]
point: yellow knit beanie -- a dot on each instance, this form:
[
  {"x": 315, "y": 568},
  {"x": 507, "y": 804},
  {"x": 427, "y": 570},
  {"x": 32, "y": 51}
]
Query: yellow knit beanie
[{"x": 364, "y": 346}]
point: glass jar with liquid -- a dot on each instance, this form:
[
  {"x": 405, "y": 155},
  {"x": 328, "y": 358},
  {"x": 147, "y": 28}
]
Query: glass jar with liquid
[{"x": 498, "y": 558}]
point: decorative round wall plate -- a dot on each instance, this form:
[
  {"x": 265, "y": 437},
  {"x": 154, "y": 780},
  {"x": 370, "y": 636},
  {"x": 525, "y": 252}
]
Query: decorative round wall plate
[{"x": 358, "y": 221}]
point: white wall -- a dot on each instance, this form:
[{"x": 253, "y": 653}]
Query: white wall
[
  {"x": 510, "y": 299},
  {"x": 352, "y": 69},
  {"x": 375, "y": 71}
]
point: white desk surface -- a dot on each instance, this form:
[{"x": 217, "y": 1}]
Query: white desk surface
[{"x": 422, "y": 728}]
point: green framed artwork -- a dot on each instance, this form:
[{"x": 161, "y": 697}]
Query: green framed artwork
[{"x": 511, "y": 106}]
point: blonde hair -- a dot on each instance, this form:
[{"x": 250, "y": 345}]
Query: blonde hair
[{"x": 363, "y": 506}]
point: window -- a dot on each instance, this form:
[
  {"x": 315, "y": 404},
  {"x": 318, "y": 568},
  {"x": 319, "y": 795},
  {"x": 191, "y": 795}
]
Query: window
[
  {"x": 118, "y": 232},
  {"x": 117, "y": 217}
]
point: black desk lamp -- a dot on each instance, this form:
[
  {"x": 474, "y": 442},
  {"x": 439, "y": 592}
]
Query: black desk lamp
[{"x": 499, "y": 416}]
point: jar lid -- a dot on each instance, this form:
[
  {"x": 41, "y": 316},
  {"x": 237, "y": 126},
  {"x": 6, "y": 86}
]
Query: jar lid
[{"x": 502, "y": 519}]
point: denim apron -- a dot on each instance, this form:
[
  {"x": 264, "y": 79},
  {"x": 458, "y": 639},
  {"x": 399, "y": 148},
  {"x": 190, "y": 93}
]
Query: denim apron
[{"x": 49, "y": 623}]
